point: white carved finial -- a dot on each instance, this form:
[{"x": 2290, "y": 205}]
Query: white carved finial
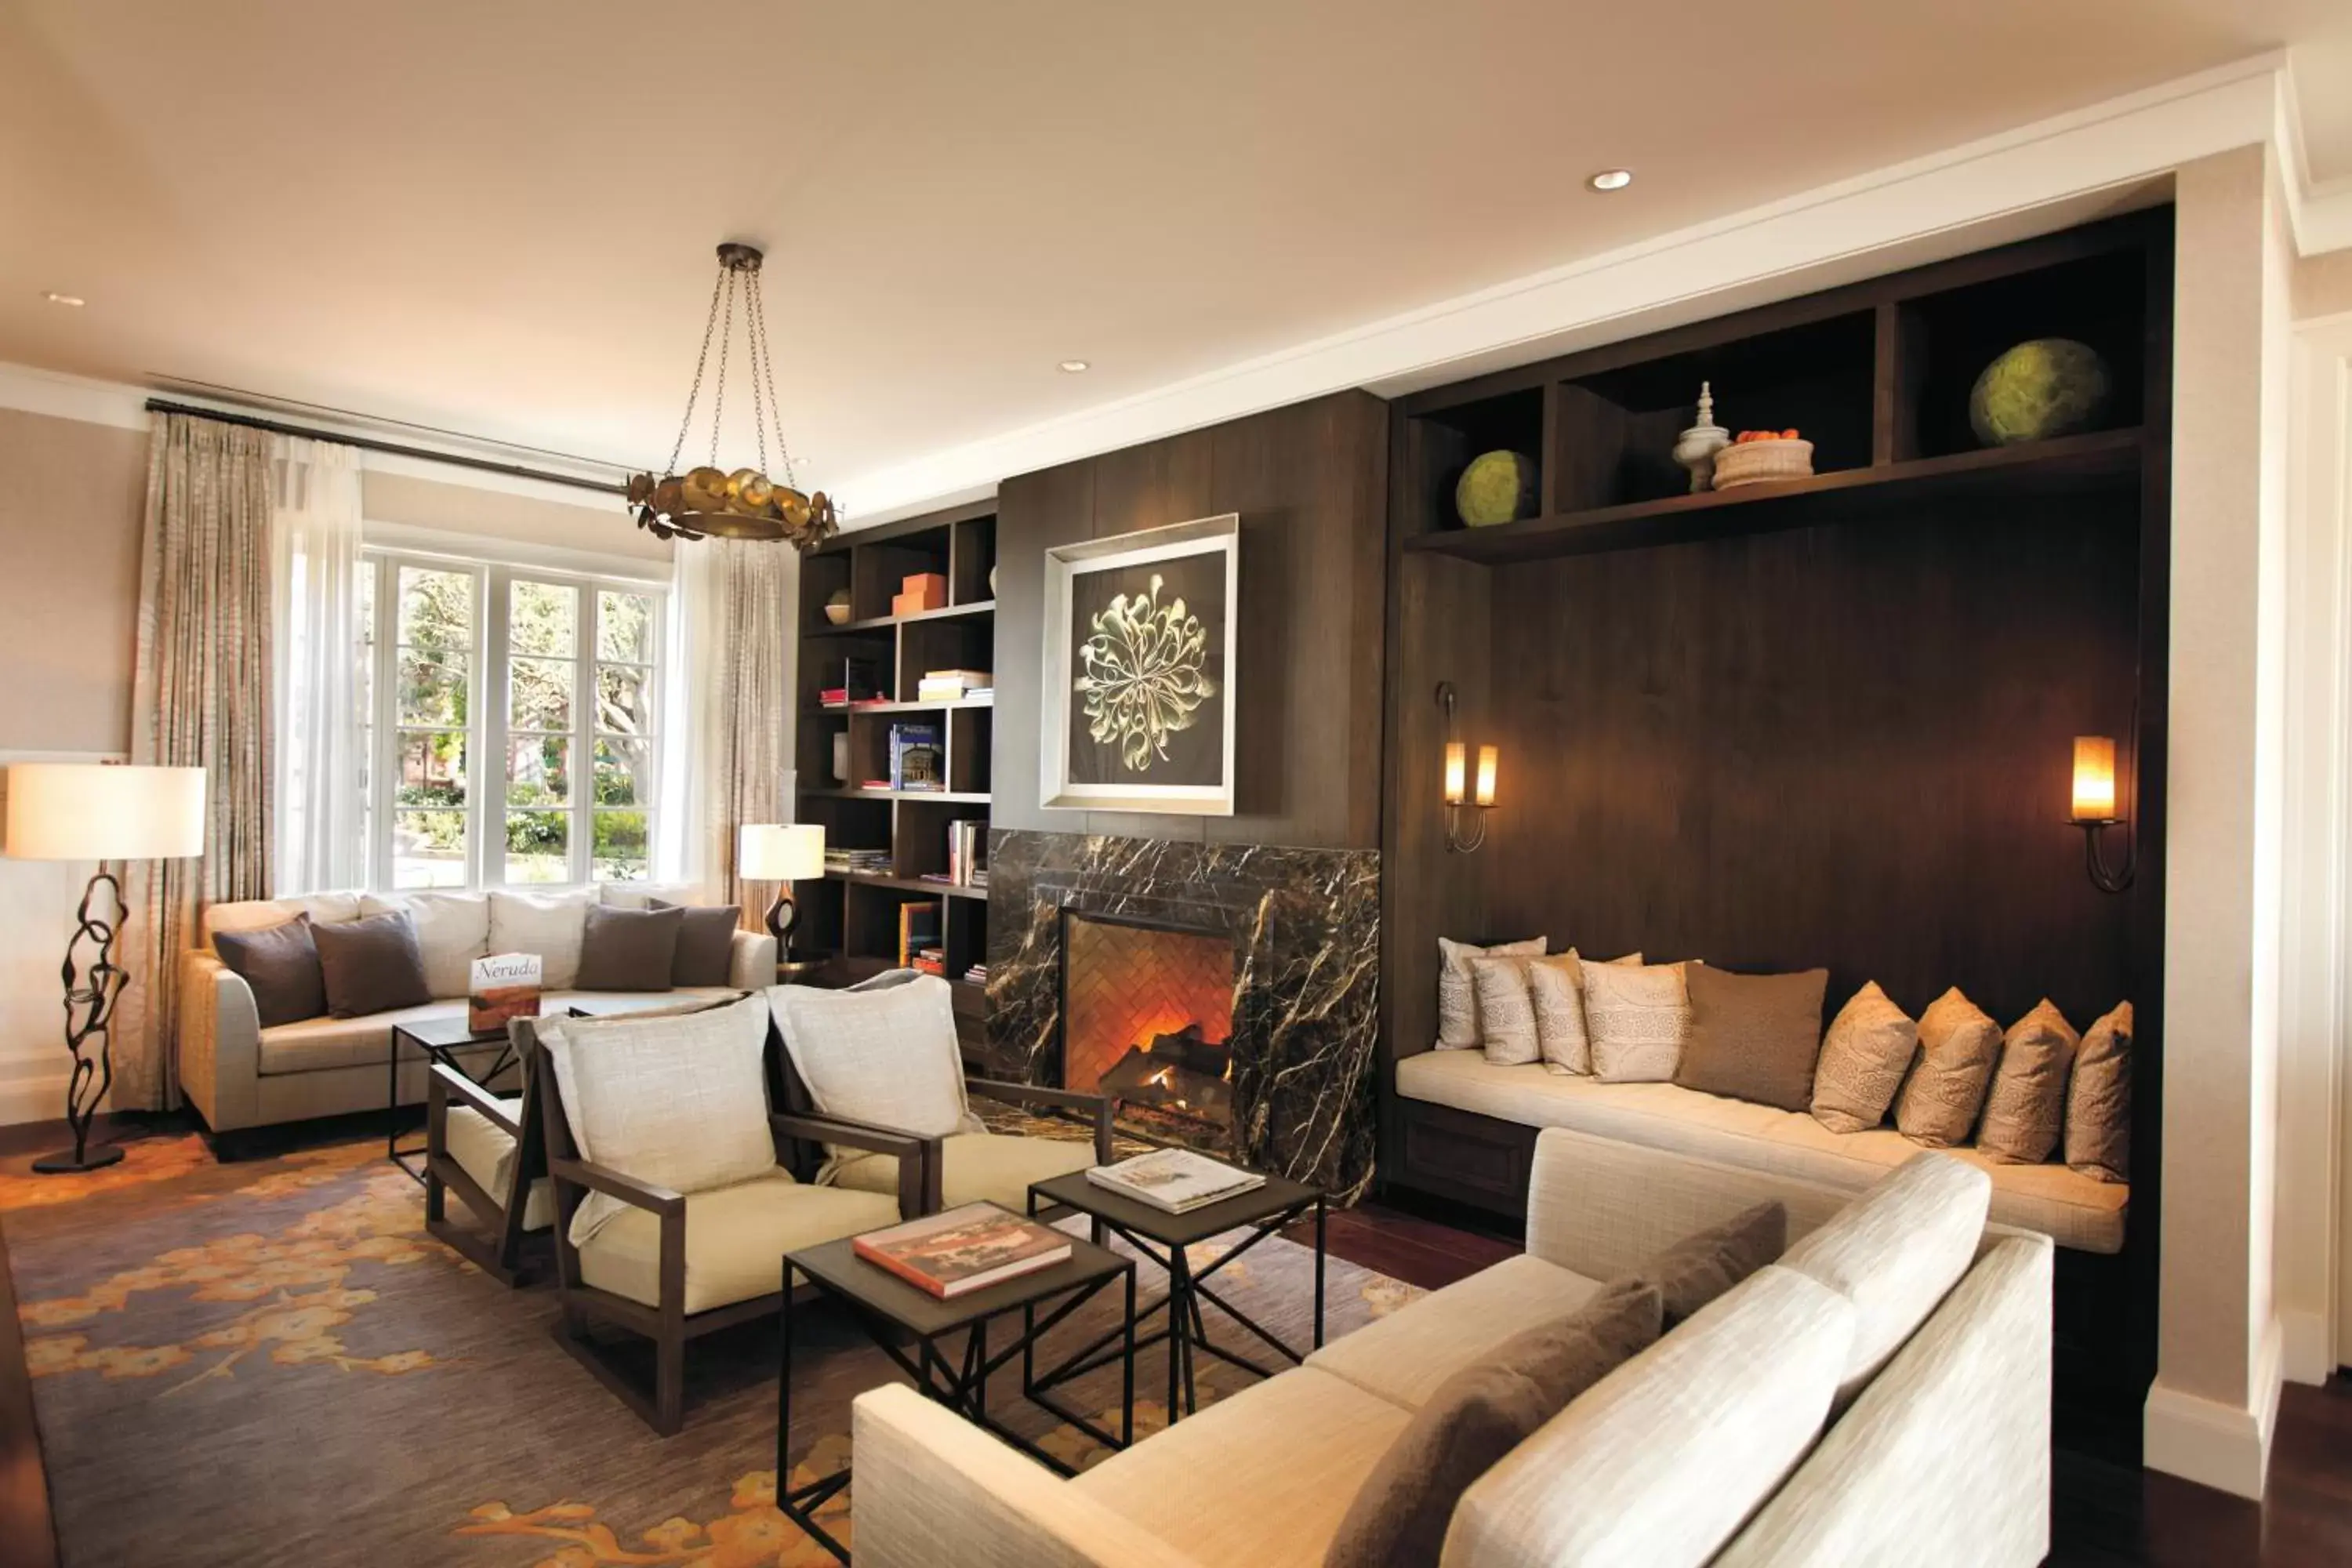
[{"x": 1705, "y": 404}]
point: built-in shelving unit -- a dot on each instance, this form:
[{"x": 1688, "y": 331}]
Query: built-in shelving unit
[{"x": 852, "y": 920}]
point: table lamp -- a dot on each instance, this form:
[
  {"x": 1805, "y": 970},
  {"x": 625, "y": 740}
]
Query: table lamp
[
  {"x": 782, "y": 853},
  {"x": 103, "y": 812}
]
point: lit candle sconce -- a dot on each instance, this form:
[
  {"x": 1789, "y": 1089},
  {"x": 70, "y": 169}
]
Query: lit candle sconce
[
  {"x": 2095, "y": 810},
  {"x": 1461, "y": 792}
]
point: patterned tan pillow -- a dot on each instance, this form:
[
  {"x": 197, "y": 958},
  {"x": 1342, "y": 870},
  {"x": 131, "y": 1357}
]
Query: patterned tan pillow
[
  {"x": 1457, "y": 1004},
  {"x": 2025, "y": 1114},
  {"x": 1506, "y": 1012},
  {"x": 1637, "y": 1017},
  {"x": 1957, "y": 1045},
  {"x": 2098, "y": 1102},
  {"x": 1868, "y": 1049},
  {"x": 1557, "y": 984}
]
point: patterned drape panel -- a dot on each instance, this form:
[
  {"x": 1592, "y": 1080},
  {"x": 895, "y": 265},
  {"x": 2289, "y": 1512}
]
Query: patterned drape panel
[
  {"x": 749, "y": 600},
  {"x": 201, "y": 698}
]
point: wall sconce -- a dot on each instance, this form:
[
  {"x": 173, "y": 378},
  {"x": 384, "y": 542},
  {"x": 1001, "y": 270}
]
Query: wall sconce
[
  {"x": 1461, "y": 792},
  {"x": 2094, "y": 811}
]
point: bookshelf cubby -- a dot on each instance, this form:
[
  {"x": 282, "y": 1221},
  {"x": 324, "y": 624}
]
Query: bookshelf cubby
[{"x": 851, "y": 919}]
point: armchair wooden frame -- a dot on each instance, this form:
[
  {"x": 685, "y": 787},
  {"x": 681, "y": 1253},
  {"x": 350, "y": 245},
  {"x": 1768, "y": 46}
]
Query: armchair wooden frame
[
  {"x": 669, "y": 1325},
  {"x": 500, "y": 1253}
]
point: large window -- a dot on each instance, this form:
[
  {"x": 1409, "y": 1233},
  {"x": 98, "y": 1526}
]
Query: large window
[{"x": 513, "y": 734}]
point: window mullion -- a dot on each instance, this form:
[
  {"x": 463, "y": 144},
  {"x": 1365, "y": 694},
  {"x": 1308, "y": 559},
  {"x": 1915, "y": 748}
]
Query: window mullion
[
  {"x": 583, "y": 735},
  {"x": 489, "y": 797}
]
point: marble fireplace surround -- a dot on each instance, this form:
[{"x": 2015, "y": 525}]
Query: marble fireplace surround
[{"x": 1306, "y": 929}]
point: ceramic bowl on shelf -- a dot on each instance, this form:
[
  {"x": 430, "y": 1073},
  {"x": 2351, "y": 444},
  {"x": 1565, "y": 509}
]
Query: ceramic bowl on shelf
[
  {"x": 837, "y": 609},
  {"x": 1750, "y": 462}
]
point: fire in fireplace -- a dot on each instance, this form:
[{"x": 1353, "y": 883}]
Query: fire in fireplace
[{"x": 1147, "y": 1018}]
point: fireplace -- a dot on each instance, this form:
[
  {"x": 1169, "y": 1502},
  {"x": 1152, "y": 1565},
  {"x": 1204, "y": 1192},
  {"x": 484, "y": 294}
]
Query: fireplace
[{"x": 1148, "y": 1018}]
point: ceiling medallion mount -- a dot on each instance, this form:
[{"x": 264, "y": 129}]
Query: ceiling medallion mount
[{"x": 712, "y": 502}]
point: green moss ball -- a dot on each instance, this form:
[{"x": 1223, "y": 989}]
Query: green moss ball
[
  {"x": 1498, "y": 486},
  {"x": 2041, "y": 389}
]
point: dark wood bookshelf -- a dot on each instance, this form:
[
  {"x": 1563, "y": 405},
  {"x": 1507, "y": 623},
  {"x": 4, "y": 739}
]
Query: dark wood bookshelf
[
  {"x": 883, "y": 623},
  {"x": 823, "y": 709},
  {"x": 908, "y": 884},
  {"x": 946, "y": 797}
]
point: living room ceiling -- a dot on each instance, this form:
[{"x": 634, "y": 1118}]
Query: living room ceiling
[{"x": 500, "y": 219}]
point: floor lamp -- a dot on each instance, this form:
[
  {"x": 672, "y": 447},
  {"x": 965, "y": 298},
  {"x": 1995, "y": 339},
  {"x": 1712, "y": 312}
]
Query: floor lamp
[
  {"x": 784, "y": 854},
  {"x": 106, "y": 812}
]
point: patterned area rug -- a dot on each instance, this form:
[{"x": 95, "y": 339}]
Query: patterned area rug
[{"x": 273, "y": 1363}]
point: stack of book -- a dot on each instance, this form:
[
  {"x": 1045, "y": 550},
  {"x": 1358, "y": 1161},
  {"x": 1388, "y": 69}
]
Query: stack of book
[
  {"x": 967, "y": 852},
  {"x": 919, "y": 933},
  {"x": 1176, "y": 1180},
  {"x": 964, "y": 1249},
  {"x": 916, "y": 760},
  {"x": 976, "y": 974},
  {"x": 955, "y": 685},
  {"x": 933, "y": 960},
  {"x": 856, "y": 685},
  {"x": 858, "y": 862}
]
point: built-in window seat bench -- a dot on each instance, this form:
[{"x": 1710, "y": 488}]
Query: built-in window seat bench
[{"x": 1465, "y": 1129}]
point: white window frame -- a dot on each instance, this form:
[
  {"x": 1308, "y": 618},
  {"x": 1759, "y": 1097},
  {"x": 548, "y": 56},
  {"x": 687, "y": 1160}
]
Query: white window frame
[{"x": 488, "y": 730}]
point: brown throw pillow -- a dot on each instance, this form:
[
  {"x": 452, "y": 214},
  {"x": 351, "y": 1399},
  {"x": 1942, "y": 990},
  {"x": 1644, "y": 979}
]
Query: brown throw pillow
[
  {"x": 1478, "y": 1416},
  {"x": 705, "y": 944},
  {"x": 2098, "y": 1102},
  {"x": 1957, "y": 1044},
  {"x": 628, "y": 950},
  {"x": 1707, "y": 1263},
  {"x": 1753, "y": 1037},
  {"x": 2025, "y": 1114},
  {"x": 280, "y": 966},
  {"x": 1868, "y": 1049},
  {"x": 372, "y": 965}
]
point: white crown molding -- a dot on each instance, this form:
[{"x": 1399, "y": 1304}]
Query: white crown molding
[
  {"x": 2216, "y": 1444},
  {"x": 2031, "y": 179},
  {"x": 2320, "y": 214}
]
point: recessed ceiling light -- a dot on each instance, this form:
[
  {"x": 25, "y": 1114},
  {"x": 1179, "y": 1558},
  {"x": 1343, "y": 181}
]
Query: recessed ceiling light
[
  {"x": 1612, "y": 180},
  {"x": 54, "y": 297},
  {"x": 1073, "y": 366}
]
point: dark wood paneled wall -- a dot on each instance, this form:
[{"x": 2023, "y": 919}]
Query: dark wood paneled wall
[{"x": 1309, "y": 482}]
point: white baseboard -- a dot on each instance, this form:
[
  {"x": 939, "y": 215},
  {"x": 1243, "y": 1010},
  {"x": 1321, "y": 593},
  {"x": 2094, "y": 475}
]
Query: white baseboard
[
  {"x": 33, "y": 1098},
  {"x": 2308, "y": 1351},
  {"x": 2213, "y": 1444}
]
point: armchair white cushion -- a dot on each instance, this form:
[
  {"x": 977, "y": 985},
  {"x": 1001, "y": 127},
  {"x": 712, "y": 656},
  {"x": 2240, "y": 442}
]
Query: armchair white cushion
[
  {"x": 975, "y": 1167},
  {"x": 486, "y": 1151},
  {"x": 736, "y": 1238},
  {"x": 886, "y": 1056}
]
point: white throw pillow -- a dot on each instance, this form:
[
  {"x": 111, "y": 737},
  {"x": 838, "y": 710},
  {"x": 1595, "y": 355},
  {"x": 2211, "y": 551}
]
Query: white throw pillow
[
  {"x": 1555, "y": 986},
  {"x": 887, "y": 1056},
  {"x": 548, "y": 924},
  {"x": 1638, "y": 1018},
  {"x": 452, "y": 930},
  {"x": 679, "y": 1102},
  {"x": 642, "y": 895},
  {"x": 1457, "y": 1003},
  {"x": 1507, "y": 1009}
]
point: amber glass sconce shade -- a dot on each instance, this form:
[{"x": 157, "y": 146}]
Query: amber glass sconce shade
[
  {"x": 2094, "y": 811},
  {"x": 1464, "y": 833}
]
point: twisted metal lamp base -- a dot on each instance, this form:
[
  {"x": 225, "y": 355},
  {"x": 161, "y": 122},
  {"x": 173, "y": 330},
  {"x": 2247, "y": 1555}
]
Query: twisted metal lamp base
[{"x": 89, "y": 1015}]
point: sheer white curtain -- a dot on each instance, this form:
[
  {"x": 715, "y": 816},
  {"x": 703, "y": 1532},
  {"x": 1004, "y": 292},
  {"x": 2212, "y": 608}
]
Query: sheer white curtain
[{"x": 319, "y": 775}]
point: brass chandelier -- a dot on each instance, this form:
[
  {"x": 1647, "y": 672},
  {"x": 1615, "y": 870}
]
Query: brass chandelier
[{"x": 708, "y": 501}]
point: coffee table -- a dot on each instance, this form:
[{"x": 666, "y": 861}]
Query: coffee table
[
  {"x": 1162, "y": 1238},
  {"x": 438, "y": 1041},
  {"x": 893, "y": 1312}
]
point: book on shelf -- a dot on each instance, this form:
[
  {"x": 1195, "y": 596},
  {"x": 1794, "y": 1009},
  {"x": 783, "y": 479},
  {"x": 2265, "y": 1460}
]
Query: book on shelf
[
  {"x": 919, "y": 928},
  {"x": 964, "y": 1249},
  {"x": 858, "y": 682},
  {"x": 858, "y": 862},
  {"x": 951, "y": 685},
  {"x": 968, "y": 851},
  {"x": 976, "y": 975},
  {"x": 916, "y": 760},
  {"x": 1176, "y": 1180}
]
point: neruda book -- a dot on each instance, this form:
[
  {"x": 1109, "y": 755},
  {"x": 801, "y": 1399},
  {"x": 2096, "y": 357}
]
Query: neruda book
[{"x": 502, "y": 986}]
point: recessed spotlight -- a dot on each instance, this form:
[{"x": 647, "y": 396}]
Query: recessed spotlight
[
  {"x": 54, "y": 297},
  {"x": 1612, "y": 180},
  {"x": 1073, "y": 366}
]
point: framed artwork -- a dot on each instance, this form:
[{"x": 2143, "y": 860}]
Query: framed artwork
[{"x": 1138, "y": 693}]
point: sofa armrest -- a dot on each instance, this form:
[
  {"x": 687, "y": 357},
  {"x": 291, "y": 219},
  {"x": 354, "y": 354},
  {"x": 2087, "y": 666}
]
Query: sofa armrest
[
  {"x": 1603, "y": 1208},
  {"x": 220, "y": 1031},
  {"x": 751, "y": 963},
  {"x": 933, "y": 1489}
]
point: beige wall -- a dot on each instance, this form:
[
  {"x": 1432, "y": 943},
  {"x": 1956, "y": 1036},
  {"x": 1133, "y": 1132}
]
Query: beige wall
[
  {"x": 2323, "y": 285},
  {"x": 594, "y": 522},
  {"x": 70, "y": 521}
]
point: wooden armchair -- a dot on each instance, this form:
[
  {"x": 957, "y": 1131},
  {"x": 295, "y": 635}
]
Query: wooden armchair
[
  {"x": 491, "y": 1150},
  {"x": 672, "y": 1266}
]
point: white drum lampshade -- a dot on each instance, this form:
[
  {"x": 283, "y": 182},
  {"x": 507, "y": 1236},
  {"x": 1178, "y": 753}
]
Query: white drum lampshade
[
  {"x": 99, "y": 810},
  {"x": 780, "y": 852}
]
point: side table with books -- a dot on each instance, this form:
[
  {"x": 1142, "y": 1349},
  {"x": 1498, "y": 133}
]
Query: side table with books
[
  {"x": 1163, "y": 1203},
  {"x": 917, "y": 1288}
]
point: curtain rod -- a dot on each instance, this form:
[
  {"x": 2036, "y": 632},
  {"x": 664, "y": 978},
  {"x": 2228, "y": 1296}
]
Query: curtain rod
[{"x": 394, "y": 448}]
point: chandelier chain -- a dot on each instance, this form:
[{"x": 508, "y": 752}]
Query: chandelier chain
[
  {"x": 752, "y": 346},
  {"x": 768, "y": 368},
  {"x": 708, "y": 323},
  {"x": 726, "y": 336}
]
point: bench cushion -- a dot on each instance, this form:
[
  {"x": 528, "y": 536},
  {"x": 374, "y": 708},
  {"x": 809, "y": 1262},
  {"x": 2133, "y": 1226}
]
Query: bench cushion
[
  {"x": 2071, "y": 1209},
  {"x": 1404, "y": 1356}
]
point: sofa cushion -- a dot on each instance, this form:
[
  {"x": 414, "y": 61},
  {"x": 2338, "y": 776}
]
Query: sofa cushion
[
  {"x": 1667, "y": 1454},
  {"x": 258, "y": 914},
  {"x": 319, "y": 1045},
  {"x": 2025, "y": 1109},
  {"x": 279, "y": 964},
  {"x": 452, "y": 930},
  {"x": 1457, "y": 1000},
  {"x": 1894, "y": 1251},
  {"x": 1404, "y": 1356},
  {"x": 705, "y": 944},
  {"x": 1480, "y": 1413},
  {"x": 1555, "y": 986},
  {"x": 2072, "y": 1210},
  {"x": 2098, "y": 1100},
  {"x": 486, "y": 1151},
  {"x": 736, "y": 1238},
  {"x": 629, "y": 949},
  {"x": 372, "y": 965},
  {"x": 1708, "y": 1263},
  {"x": 1507, "y": 1009},
  {"x": 887, "y": 1056},
  {"x": 1958, "y": 1044},
  {"x": 1753, "y": 1037},
  {"x": 1868, "y": 1049},
  {"x": 649, "y": 895},
  {"x": 1261, "y": 1477},
  {"x": 1638, "y": 1018},
  {"x": 976, "y": 1167},
  {"x": 548, "y": 924}
]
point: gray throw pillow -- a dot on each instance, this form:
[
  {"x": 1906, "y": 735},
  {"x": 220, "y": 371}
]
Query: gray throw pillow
[
  {"x": 1705, "y": 1264},
  {"x": 629, "y": 949},
  {"x": 372, "y": 965},
  {"x": 705, "y": 944},
  {"x": 280, "y": 966},
  {"x": 1753, "y": 1037},
  {"x": 1478, "y": 1416}
]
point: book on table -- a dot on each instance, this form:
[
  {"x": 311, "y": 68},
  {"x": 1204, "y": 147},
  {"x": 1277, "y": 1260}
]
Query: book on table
[
  {"x": 1176, "y": 1180},
  {"x": 502, "y": 986},
  {"x": 964, "y": 1249}
]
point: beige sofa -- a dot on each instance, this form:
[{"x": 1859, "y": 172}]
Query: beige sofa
[
  {"x": 1882, "y": 1397},
  {"x": 240, "y": 1075}
]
